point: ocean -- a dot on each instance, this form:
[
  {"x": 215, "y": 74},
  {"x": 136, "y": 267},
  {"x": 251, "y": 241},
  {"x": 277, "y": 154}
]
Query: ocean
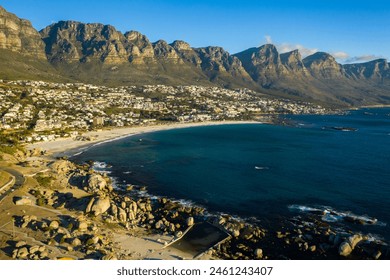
[{"x": 338, "y": 165}]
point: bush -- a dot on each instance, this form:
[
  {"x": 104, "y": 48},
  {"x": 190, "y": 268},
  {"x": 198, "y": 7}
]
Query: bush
[{"x": 44, "y": 181}]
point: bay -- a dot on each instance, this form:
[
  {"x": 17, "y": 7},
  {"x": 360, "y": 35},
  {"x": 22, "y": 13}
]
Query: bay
[{"x": 338, "y": 163}]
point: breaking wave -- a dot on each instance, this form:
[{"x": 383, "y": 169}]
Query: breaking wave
[{"x": 328, "y": 214}]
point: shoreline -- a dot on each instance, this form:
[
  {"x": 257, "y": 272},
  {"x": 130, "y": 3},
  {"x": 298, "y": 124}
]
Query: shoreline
[
  {"x": 370, "y": 107},
  {"x": 67, "y": 147},
  {"x": 143, "y": 233}
]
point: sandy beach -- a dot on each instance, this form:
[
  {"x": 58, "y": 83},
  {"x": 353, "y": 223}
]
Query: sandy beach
[{"x": 70, "y": 146}]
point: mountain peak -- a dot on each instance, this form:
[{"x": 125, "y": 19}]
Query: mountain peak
[
  {"x": 323, "y": 65},
  {"x": 181, "y": 45},
  {"x": 292, "y": 60},
  {"x": 18, "y": 35},
  {"x": 318, "y": 56}
]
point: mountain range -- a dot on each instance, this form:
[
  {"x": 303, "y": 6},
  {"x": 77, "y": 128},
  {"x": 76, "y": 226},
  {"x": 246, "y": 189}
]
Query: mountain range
[{"x": 69, "y": 51}]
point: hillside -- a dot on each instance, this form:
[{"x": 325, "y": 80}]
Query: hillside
[{"x": 100, "y": 54}]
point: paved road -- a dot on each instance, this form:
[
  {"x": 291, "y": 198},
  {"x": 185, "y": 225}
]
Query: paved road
[{"x": 19, "y": 181}]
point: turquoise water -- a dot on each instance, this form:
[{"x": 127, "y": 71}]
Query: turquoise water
[{"x": 266, "y": 171}]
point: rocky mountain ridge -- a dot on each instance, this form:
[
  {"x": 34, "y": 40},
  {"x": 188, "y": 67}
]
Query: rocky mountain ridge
[{"x": 97, "y": 53}]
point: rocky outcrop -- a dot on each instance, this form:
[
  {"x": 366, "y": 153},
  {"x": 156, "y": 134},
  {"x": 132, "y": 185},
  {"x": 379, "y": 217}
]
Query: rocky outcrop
[
  {"x": 346, "y": 247},
  {"x": 186, "y": 53},
  {"x": 217, "y": 59},
  {"x": 100, "y": 205},
  {"x": 71, "y": 41},
  {"x": 263, "y": 64},
  {"x": 376, "y": 69},
  {"x": 165, "y": 52},
  {"x": 96, "y": 183},
  {"x": 62, "y": 167},
  {"x": 18, "y": 35},
  {"x": 292, "y": 61},
  {"x": 140, "y": 49},
  {"x": 324, "y": 66}
]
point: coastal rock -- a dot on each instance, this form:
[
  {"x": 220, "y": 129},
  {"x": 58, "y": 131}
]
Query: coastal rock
[
  {"x": 132, "y": 216},
  {"x": 247, "y": 233},
  {"x": 76, "y": 242},
  {"x": 22, "y": 253},
  {"x": 62, "y": 167},
  {"x": 96, "y": 183},
  {"x": 35, "y": 152},
  {"x": 20, "y": 244},
  {"x": 43, "y": 255},
  {"x": 190, "y": 221},
  {"x": 122, "y": 215},
  {"x": 354, "y": 240},
  {"x": 100, "y": 206},
  {"x": 345, "y": 249},
  {"x": 258, "y": 253},
  {"x": 133, "y": 207},
  {"x": 376, "y": 255},
  {"x": 92, "y": 241},
  {"x": 34, "y": 249},
  {"x": 236, "y": 233},
  {"x": 172, "y": 227},
  {"x": 114, "y": 210},
  {"x": 89, "y": 206},
  {"x": 82, "y": 226},
  {"x": 159, "y": 224},
  {"x": 54, "y": 225},
  {"x": 150, "y": 217},
  {"x": 109, "y": 257}
]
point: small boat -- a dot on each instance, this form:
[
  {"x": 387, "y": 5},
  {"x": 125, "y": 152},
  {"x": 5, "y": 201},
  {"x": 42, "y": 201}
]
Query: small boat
[
  {"x": 341, "y": 128},
  {"x": 261, "y": 167}
]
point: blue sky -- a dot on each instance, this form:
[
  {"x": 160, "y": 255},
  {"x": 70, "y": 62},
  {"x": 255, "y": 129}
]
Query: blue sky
[{"x": 352, "y": 31}]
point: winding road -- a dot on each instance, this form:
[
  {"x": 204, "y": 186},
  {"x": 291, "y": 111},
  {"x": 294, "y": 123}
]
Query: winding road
[{"x": 19, "y": 181}]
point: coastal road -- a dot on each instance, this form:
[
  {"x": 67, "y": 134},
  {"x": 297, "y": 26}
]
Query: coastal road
[{"x": 19, "y": 181}]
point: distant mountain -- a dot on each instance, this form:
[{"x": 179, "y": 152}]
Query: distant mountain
[
  {"x": 97, "y": 53},
  {"x": 317, "y": 77}
]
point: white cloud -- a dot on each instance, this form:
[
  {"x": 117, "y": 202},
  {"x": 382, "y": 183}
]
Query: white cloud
[
  {"x": 340, "y": 55},
  {"x": 362, "y": 58},
  {"x": 287, "y": 47},
  {"x": 268, "y": 39}
]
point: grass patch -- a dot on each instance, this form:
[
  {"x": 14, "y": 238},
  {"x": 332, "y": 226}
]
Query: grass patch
[
  {"x": 4, "y": 178},
  {"x": 44, "y": 181}
]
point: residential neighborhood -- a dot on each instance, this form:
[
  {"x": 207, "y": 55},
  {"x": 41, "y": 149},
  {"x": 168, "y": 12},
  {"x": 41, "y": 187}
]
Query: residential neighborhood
[{"x": 50, "y": 110}]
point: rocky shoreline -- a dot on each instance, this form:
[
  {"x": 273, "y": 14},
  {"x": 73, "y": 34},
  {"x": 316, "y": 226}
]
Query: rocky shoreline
[{"x": 87, "y": 214}]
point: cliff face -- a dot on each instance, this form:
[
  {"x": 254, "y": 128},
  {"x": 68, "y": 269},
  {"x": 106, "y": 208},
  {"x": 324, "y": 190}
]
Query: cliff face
[
  {"x": 70, "y": 41},
  {"x": 100, "y": 54},
  {"x": 18, "y": 35},
  {"x": 292, "y": 61},
  {"x": 323, "y": 66},
  {"x": 377, "y": 70}
]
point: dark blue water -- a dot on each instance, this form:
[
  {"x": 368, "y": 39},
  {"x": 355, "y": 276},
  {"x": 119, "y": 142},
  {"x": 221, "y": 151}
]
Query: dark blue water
[{"x": 260, "y": 170}]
